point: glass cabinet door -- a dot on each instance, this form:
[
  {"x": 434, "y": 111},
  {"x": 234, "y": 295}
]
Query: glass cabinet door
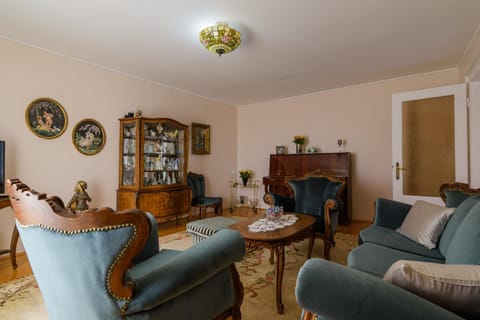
[
  {"x": 163, "y": 153},
  {"x": 129, "y": 135}
]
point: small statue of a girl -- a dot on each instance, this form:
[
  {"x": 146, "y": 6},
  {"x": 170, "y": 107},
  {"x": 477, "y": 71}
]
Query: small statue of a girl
[{"x": 79, "y": 198}]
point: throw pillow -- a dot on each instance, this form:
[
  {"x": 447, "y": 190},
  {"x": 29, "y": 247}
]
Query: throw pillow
[
  {"x": 424, "y": 223},
  {"x": 453, "y": 287}
]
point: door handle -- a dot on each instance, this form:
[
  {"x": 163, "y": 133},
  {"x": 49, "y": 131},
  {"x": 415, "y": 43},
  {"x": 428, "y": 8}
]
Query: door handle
[{"x": 397, "y": 170}]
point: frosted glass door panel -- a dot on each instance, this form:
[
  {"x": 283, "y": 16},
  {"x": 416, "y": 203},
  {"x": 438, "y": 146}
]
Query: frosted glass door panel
[
  {"x": 428, "y": 145},
  {"x": 429, "y": 142}
]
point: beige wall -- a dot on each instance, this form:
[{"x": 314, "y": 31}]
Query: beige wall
[
  {"x": 359, "y": 114},
  {"x": 86, "y": 91}
]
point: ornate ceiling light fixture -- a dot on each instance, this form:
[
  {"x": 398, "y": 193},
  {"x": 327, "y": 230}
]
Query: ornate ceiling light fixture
[{"x": 220, "y": 38}]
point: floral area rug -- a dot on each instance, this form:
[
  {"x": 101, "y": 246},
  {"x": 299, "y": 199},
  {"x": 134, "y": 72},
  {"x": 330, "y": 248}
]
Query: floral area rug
[
  {"x": 259, "y": 279},
  {"x": 21, "y": 299}
]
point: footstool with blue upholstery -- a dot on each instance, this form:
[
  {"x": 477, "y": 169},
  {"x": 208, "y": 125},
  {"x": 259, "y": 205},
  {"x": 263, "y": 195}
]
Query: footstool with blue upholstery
[{"x": 202, "y": 229}]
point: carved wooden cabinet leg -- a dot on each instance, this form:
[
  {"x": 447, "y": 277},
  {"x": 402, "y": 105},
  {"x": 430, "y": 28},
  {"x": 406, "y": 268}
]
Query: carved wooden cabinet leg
[{"x": 280, "y": 249}]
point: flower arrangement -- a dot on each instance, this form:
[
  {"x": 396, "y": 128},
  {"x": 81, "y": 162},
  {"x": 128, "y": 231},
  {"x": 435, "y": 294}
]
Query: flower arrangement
[
  {"x": 299, "y": 139},
  {"x": 274, "y": 213},
  {"x": 245, "y": 174}
]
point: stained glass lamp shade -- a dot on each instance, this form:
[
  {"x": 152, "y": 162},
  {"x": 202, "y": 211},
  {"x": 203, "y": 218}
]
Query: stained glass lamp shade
[{"x": 220, "y": 38}]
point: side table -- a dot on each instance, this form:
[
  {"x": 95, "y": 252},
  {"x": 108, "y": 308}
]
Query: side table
[
  {"x": 245, "y": 201},
  {"x": 4, "y": 203},
  {"x": 276, "y": 241}
]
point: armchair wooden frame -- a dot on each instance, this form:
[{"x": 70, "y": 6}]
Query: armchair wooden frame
[
  {"x": 460, "y": 186},
  {"x": 33, "y": 209},
  {"x": 36, "y": 209},
  {"x": 329, "y": 206}
]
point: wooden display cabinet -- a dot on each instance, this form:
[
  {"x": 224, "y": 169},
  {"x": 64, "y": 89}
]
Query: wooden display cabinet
[{"x": 153, "y": 167}]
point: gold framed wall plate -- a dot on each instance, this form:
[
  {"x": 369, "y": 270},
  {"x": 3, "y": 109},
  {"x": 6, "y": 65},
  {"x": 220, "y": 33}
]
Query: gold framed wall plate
[
  {"x": 88, "y": 137},
  {"x": 46, "y": 118}
]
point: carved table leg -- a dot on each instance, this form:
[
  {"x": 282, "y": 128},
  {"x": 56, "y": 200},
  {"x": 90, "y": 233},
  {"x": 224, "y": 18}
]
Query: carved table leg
[
  {"x": 311, "y": 241},
  {"x": 13, "y": 247},
  {"x": 280, "y": 250}
]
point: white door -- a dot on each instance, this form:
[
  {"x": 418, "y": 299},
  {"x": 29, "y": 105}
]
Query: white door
[
  {"x": 474, "y": 129},
  {"x": 429, "y": 142}
]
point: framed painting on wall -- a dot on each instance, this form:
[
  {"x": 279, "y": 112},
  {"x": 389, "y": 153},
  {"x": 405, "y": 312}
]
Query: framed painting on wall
[
  {"x": 88, "y": 137},
  {"x": 46, "y": 118},
  {"x": 200, "y": 138}
]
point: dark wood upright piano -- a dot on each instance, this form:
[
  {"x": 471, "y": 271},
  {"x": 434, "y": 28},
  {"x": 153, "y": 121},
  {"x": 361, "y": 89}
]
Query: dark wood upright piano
[{"x": 282, "y": 165}]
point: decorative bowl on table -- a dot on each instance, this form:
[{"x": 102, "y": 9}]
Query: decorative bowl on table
[{"x": 274, "y": 213}]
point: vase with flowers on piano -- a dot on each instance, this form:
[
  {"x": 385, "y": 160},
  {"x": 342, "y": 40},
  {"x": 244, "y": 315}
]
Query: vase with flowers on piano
[{"x": 299, "y": 142}]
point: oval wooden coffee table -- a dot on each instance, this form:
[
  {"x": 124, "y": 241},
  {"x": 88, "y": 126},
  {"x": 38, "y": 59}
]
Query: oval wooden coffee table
[{"x": 276, "y": 241}]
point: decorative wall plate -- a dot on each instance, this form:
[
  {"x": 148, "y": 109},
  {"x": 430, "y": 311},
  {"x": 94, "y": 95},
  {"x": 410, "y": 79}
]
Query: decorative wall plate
[
  {"x": 46, "y": 118},
  {"x": 88, "y": 137}
]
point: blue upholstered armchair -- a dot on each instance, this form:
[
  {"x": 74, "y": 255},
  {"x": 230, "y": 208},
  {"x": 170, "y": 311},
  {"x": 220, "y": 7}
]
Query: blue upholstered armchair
[
  {"x": 99, "y": 264},
  {"x": 199, "y": 200},
  {"x": 317, "y": 194}
]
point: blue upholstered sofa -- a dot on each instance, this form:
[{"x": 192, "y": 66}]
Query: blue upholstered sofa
[{"x": 359, "y": 292}]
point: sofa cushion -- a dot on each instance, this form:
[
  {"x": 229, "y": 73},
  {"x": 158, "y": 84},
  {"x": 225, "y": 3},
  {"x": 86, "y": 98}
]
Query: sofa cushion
[
  {"x": 392, "y": 239},
  {"x": 308, "y": 194},
  {"x": 375, "y": 259},
  {"x": 454, "y": 222},
  {"x": 390, "y": 213},
  {"x": 197, "y": 183},
  {"x": 454, "y": 287},
  {"x": 465, "y": 245},
  {"x": 425, "y": 222},
  {"x": 206, "y": 201},
  {"x": 455, "y": 197}
]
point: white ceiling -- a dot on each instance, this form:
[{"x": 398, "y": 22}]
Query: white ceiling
[{"x": 288, "y": 47}]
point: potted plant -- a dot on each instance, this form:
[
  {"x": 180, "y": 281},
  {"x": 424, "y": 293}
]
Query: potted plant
[{"x": 245, "y": 175}]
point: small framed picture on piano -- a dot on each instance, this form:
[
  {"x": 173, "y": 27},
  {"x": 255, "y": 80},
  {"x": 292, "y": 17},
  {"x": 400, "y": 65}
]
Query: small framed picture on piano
[{"x": 281, "y": 149}]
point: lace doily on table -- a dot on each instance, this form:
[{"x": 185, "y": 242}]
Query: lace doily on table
[{"x": 263, "y": 225}]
